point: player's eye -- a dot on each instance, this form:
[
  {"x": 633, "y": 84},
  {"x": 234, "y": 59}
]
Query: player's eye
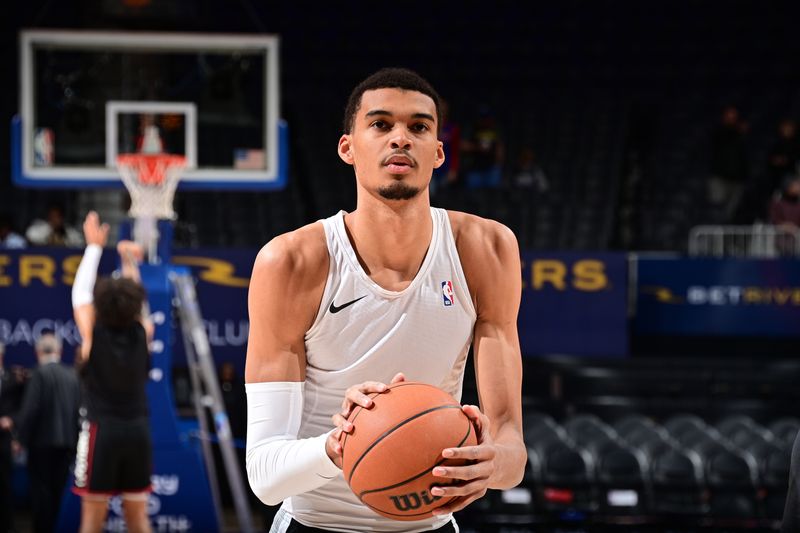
[
  {"x": 420, "y": 127},
  {"x": 379, "y": 124}
]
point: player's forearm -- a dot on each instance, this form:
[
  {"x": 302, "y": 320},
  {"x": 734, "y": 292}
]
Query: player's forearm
[
  {"x": 284, "y": 468},
  {"x": 85, "y": 277},
  {"x": 129, "y": 268},
  {"x": 510, "y": 458},
  {"x": 278, "y": 464}
]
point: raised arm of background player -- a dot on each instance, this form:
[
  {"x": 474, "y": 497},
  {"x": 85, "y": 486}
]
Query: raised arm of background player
[{"x": 96, "y": 236}]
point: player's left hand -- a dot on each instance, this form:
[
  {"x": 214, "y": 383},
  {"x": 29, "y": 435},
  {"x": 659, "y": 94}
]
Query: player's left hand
[
  {"x": 471, "y": 480},
  {"x": 93, "y": 231}
]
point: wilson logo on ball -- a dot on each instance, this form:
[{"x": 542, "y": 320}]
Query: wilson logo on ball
[{"x": 413, "y": 500}]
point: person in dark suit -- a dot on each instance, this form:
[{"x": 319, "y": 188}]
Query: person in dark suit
[
  {"x": 10, "y": 390},
  {"x": 47, "y": 426}
]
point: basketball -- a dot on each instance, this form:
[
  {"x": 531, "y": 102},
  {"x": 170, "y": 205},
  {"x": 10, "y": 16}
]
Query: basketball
[{"x": 389, "y": 457}]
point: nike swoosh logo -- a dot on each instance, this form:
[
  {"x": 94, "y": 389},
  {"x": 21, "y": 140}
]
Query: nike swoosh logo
[{"x": 334, "y": 309}]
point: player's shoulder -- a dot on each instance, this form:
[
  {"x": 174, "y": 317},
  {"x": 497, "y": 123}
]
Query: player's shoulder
[
  {"x": 302, "y": 252},
  {"x": 489, "y": 255},
  {"x": 477, "y": 235}
]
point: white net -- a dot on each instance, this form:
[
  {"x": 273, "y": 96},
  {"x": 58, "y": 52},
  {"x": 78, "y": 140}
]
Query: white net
[{"x": 151, "y": 180}]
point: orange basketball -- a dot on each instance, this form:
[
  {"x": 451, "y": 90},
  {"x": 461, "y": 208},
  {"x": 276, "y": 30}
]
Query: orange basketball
[{"x": 389, "y": 457}]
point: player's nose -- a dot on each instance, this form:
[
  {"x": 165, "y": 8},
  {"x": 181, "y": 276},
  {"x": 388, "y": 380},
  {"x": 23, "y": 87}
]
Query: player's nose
[{"x": 401, "y": 139}]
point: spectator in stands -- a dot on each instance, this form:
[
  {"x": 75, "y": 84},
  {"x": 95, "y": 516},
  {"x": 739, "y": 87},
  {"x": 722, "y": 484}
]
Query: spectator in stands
[
  {"x": 450, "y": 136},
  {"x": 487, "y": 153},
  {"x": 53, "y": 231},
  {"x": 782, "y": 162},
  {"x": 728, "y": 163},
  {"x": 10, "y": 390},
  {"x": 47, "y": 426},
  {"x": 528, "y": 174},
  {"x": 8, "y": 237},
  {"x": 784, "y": 211},
  {"x": 784, "y": 155},
  {"x": 785, "y": 207}
]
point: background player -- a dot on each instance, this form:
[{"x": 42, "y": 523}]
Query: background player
[
  {"x": 114, "y": 449},
  {"x": 341, "y": 307}
]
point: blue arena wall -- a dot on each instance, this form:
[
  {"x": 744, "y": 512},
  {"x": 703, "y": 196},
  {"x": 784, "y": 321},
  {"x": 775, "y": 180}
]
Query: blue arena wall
[{"x": 578, "y": 303}]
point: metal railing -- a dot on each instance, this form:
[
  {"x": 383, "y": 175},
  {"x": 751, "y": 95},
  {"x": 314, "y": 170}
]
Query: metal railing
[{"x": 758, "y": 240}]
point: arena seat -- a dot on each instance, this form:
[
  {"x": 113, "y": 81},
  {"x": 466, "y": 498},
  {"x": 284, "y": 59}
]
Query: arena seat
[
  {"x": 785, "y": 430},
  {"x": 623, "y": 480},
  {"x": 678, "y": 483},
  {"x": 732, "y": 479},
  {"x": 567, "y": 480}
]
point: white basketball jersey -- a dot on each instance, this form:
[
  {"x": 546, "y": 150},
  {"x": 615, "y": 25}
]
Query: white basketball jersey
[{"x": 364, "y": 332}]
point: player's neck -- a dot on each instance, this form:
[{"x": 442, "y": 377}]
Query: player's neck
[{"x": 391, "y": 236}]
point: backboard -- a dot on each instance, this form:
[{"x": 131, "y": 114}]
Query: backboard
[{"x": 86, "y": 97}]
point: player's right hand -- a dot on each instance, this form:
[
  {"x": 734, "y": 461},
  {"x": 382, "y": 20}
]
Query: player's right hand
[
  {"x": 130, "y": 250},
  {"x": 357, "y": 395},
  {"x": 93, "y": 231}
]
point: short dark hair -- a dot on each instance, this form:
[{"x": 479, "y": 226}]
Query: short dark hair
[
  {"x": 118, "y": 302},
  {"x": 389, "y": 78}
]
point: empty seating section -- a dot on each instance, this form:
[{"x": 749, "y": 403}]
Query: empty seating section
[{"x": 669, "y": 455}]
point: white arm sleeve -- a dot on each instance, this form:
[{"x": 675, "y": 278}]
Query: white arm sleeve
[
  {"x": 278, "y": 464},
  {"x": 83, "y": 286}
]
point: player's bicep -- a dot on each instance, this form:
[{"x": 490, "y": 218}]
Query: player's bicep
[
  {"x": 279, "y": 317},
  {"x": 498, "y": 361}
]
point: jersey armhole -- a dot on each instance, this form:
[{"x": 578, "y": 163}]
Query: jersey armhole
[
  {"x": 456, "y": 258},
  {"x": 326, "y": 291}
]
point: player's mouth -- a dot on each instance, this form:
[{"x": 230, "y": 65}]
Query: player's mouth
[{"x": 399, "y": 164}]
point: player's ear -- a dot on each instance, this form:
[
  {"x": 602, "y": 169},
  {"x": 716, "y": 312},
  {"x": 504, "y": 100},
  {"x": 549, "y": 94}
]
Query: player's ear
[
  {"x": 345, "y": 149},
  {"x": 439, "y": 161}
]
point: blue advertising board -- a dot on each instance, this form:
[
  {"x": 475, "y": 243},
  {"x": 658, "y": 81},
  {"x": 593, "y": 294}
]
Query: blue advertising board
[
  {"x": 35, "y": 285},
  {"x": 574, "y": 303},
  {"x": 717, "y": 297}
]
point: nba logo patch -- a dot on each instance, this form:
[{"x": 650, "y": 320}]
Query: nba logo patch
[{"x": 447, "y": 293}]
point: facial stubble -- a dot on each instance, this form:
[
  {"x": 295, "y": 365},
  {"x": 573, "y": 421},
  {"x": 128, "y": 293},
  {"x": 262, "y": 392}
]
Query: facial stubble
[{"x": 398, "y": 191}]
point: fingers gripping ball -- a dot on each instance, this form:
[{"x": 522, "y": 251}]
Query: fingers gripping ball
[{"x": 388, "y": 458}]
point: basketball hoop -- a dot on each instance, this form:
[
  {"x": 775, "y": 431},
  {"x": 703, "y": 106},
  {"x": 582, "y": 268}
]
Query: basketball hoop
[{"x": 151, "y": 180}]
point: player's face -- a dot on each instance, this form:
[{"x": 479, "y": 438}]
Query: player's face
[{"x": 393, "y": 146}]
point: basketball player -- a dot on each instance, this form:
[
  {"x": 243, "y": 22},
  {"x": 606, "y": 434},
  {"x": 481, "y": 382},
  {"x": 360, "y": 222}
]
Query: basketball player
[
  {"x": 393, "y": 290},
  {"x": 114, "y": 449}
]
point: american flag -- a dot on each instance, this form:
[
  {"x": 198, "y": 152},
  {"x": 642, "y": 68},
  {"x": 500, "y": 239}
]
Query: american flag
[{"x": 248, "y": 159}]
